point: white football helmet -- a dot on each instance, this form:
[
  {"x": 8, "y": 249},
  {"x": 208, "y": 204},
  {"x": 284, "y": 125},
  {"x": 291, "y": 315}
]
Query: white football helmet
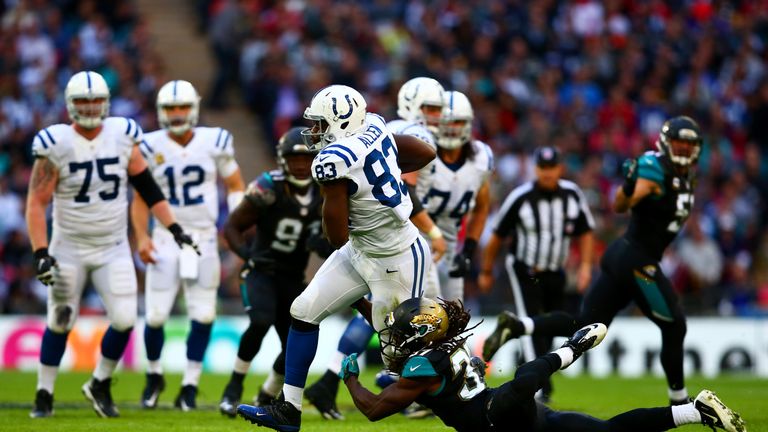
[
  {"x": 456, "y": 121},
  {"x": 87, "y": 86},
  {"x": 338, "y": 111},
  {"x": 416, "y": 93},
  {"x": 178, "y": 93}
]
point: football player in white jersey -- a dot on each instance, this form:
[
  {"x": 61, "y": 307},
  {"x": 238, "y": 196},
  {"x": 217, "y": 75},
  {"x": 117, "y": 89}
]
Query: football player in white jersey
[
  {"x": 185, "y": 160},
  {"x": 456, "y": 184},
  {"x": 366, "y": 215},
  {"x": 419, "y": 106},
  {"x": 83, "y": 168}
]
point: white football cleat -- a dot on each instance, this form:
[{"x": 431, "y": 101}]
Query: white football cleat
[
  {"x": 586, "y": 338},
  {"x": 714, "y": 413}
]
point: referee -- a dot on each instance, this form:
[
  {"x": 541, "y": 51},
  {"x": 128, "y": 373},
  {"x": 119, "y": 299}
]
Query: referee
[{"x": 540, "y": 217}]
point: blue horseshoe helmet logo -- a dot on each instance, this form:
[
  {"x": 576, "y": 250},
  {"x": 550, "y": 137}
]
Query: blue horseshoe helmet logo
[{"x": 336, "y": 113}]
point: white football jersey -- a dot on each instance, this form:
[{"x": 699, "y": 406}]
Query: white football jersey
[
  {"x": 379, "y": 206},
  {"x": 90, "y": 201},
  {"x": 187, "y": 175},
  {"x": 405, "y": 127},
  {"x": 449, "y": 192}
]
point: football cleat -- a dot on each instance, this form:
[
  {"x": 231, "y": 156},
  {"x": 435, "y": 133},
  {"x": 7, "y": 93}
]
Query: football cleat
[
  {"x": 43, "y": 405},
  {"x": 715, "y": 414},
  {"x": 154, "y": 386},
  {"x": 508, "y": 326},
  {"x": 585, "y": 339},
  {"x": 417, "y": 411},
  {"x": 231, "y": 399},
  {"x": 263, "y": 398},
  {"x": 280, "y": 416},
  {"x": 186, "y": 398},
  {"x": 100, "y": 394},
  {"x": 319, "y": 395}
]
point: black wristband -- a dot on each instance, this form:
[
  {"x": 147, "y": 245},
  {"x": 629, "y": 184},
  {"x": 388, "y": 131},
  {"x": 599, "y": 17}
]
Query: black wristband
[
  {"x": 470, "y": 245},
  {"x": 146, "y": 186},
  {"x": 40, "y": 253},
  {"x": 628, "y": 188},
  {"x": 175, "y": 229}
]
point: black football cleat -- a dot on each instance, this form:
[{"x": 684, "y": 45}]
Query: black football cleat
[
  {"x": 43, "y": 405},
  {"x": 152, "y": 389},
  {"x": 100, "y": 395},
  {"x": 263, "y": 398},
  {"x": 319, "y": 395},
  {"x": 585, "y": 339},
  {"x": 281, "y": 416},
  {"x": 508, "y": 326},
  {"x": 715, "y": 414},
  {"x": 233, "y": 392},
  {"x": 186, "y": 400}
]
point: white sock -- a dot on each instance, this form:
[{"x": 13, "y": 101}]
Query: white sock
[
  {"x": 105, "y": 368},
  {"x": 528, "y": 324},
  {"x": 335, "y": 364},
  {"x": 293, "y": 395},
  {"x": 46, "y": 376},
  {"x": 241, "y": 366},
  {"x": 273, "y": 384},
  {"x": 192, "y": 373},
  {"x": 685, "y": 414},
  {"x": 678, "y": 395},
  {"x": 566, "y": 356},
  {"x": 155, "y": 367}
]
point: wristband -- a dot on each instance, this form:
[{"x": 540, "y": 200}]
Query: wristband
[
  {"x": 628, "y": 189},
  {"x": 40, "y": 253},
  {"x": 435, "y": 233},
  {"x": 233, "y": 199},
  {"x": 470, "y": 245}
]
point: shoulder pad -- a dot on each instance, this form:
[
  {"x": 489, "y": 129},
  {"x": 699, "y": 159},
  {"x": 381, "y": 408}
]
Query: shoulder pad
[
  {"x": 261, "y": 192},
  {"x": 419, "y": 132},
  {"x": 43, "y": 143},
  {"x": 223, "y": 142},
  {"x": 133, "y": 130},
  {"x": 484, "y": 155},
  {"x": 649, "y": 167},
  {"x": 333, "y": 162},
  {"x": 418, "y": 366}
]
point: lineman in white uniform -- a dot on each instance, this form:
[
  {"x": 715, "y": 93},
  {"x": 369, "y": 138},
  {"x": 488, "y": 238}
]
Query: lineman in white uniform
[
  {"x": 365, "y": 214},
  {"x": 186, "y": 161},
  {"x": 456, "y": 184},
  {"x": 84, "y": 168}
]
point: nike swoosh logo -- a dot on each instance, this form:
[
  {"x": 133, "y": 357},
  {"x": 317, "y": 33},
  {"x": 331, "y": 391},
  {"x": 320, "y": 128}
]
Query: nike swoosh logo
[
  {"x": 392, "y": 271},
  {"x": 260, "y": 414},
  {"x": 320, "y": 159},
  {"x": 413, "y": 368}
]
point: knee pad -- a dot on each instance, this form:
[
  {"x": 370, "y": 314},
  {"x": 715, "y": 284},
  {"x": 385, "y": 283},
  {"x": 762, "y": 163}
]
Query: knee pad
[
  {"x": 61, "y": 319},
  {"x": 155, "y": 318},
  {"x": 300, "y": 309},
  {"x": 203, "y": 314},
  {"x": 124, "y": 320}
]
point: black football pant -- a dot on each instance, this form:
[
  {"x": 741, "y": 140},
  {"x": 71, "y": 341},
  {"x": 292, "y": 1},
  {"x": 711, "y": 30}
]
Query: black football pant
[
  {"x": 512, "y": 407},
  {"x": 267, "y": 300},
  {"x": 628, "y": 274}
]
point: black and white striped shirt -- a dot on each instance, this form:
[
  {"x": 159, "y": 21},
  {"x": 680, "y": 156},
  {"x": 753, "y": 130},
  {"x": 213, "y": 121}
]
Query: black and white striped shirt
[{"x": 541, "y": 223}]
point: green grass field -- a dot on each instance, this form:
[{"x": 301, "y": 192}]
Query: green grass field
[{"x": 599, "y": 397}]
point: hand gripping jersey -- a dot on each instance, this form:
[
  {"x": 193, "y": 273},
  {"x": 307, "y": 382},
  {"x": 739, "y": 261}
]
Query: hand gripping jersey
[
  {"x": 187, "y": 174},
  {"x": 379, "y": 206},
  {"x": 405, "y": 127},
  {"x": 90, "y": 201},
  {"x": 460, "y": 400},
  {"x": 448, "y": 192},
  {"x": 656, "y": 220},
  {"x": 283, "y": 223}
]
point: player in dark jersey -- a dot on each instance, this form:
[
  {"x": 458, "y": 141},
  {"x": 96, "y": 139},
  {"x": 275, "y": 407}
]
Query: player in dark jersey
[
  {"x": 284, "y": 205},
  {"x": 658, "y": 188},
  {"x": 428, "y": 350}
]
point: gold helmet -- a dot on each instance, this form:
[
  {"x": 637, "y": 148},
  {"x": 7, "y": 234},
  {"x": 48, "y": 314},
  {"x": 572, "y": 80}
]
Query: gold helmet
[{"x": 413, "y": 325}]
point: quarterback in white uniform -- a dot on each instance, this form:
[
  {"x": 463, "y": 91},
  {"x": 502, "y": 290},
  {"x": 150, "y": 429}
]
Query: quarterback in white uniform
[
  {"x": 455, "y": 184},
  {"x": 84, "y": 168},
  {"x": 185, "y": 161},
  {"x": 366, "y": 215}
]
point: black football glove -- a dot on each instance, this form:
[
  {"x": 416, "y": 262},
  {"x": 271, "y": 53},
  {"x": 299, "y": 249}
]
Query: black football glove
[
  {"x": 181, "y": 238},
  {"x": 261, "y": 264},
  {"x": 462, "y": 262},
  {"x": 44, "y": 266},
  {"x": 629, "y": 171}
]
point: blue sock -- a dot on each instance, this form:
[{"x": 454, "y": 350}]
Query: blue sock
[
  {"x": 300, "y": 351},
  {"x": 114, "y": 342},
  {"x": 356, "y": 336},
  {"x": 197, "y": 341},
  {"x": 52, "y": 347},
  {"x": 154, "y": 338}
]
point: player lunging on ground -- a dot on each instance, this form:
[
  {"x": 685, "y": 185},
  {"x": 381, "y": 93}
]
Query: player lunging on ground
[
  {"x": 186, "y": 161},
  {"x": 365, "y": 215},
  {"x": 427, "y": 346},
  {"x": 84, "y": 168}
]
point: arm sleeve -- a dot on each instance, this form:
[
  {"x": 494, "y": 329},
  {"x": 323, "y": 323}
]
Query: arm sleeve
[
  {"x": 417, "y": 206},
  {"x": 261, "y": 192},
  {"x": 225, "y": 153}
]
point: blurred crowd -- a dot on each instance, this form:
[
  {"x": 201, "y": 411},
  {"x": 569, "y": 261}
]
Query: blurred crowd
[{"x": 596, "y": 78}]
